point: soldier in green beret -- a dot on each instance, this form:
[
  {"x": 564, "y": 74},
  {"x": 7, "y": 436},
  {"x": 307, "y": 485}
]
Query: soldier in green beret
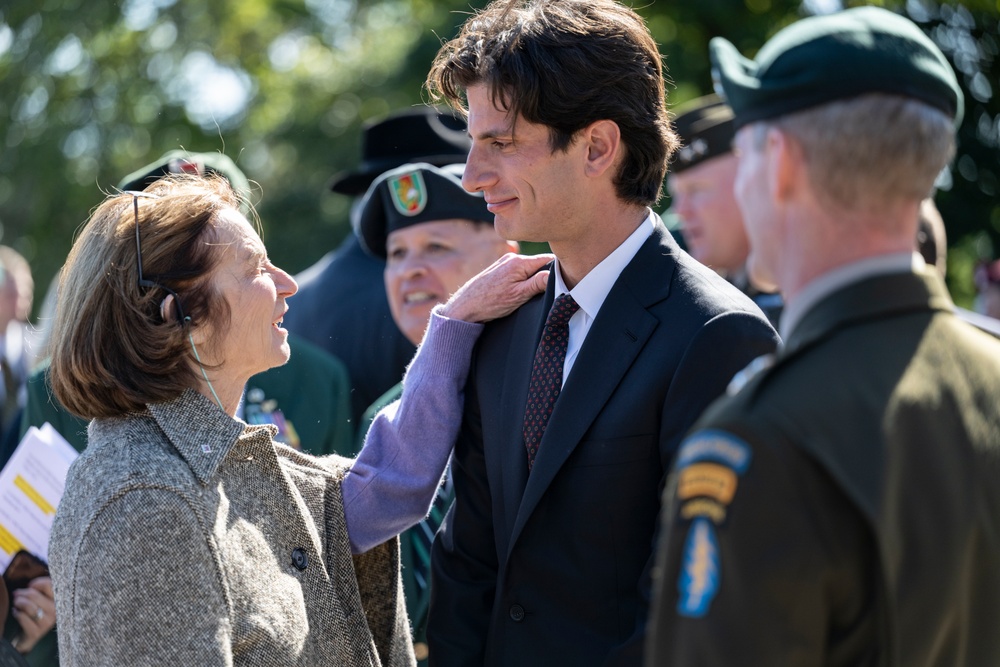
[
  {"x": 841, "y": 505},
  {"x": 434, "y": 237}
]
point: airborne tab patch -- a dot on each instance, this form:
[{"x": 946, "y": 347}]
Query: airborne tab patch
[{"x": 707, "y": 479}]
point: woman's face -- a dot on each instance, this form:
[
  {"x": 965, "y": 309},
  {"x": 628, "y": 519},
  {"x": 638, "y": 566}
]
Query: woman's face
[{"x": 255, "y": 290}]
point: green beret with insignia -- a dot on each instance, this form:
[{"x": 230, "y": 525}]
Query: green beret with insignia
[
  {"x": 705, "y": 128},
  {"x": 837, "y": 56},
  {"x": 412, "y": 194},
  {"x": 185, "y": 162}
]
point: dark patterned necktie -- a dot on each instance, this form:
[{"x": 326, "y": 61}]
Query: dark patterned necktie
[{"x": 547, "y": 372}]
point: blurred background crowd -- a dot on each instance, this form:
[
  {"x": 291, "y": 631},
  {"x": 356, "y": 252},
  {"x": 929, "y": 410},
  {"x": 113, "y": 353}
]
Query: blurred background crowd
[{"x": 90, "y": 91}]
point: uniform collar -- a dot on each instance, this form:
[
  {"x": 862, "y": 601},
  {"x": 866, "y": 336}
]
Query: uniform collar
[
  {"x": 878, "y": 295},
  {"x": 201, "y": 432},
  {"x": 831, "y": 281}
]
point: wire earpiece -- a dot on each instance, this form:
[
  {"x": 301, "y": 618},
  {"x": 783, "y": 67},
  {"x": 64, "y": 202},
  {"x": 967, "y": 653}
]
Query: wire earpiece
[{"x": 203, "y": 373}]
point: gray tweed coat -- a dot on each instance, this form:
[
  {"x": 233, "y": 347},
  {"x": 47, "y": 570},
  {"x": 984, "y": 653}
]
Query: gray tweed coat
[{"x": 186, "y": 537}]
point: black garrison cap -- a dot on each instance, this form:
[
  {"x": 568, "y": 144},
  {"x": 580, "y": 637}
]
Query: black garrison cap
[{"x": 705, "y": 127}]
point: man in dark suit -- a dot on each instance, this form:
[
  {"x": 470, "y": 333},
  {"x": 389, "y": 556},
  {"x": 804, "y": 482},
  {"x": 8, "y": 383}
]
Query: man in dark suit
[
  {"x": 842, "y": 507},
  {"x": 576, "y": 402},
  {"x": 341, "y": 305}
]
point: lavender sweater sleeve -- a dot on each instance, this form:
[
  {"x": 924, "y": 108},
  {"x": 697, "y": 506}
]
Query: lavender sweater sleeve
[{"x": 392, "y": 483}]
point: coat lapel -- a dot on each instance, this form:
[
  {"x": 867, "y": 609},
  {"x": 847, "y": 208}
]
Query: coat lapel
[
  {"x": 530, "y": 319},
  {"x": 617, "y": 336}
]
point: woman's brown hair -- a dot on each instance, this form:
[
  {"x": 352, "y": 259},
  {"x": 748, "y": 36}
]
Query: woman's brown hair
[{"x": 113, "y": 351}]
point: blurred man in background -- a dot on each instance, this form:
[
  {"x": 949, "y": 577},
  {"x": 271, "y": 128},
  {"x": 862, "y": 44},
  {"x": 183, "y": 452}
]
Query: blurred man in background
[
  {"x": 701, "y": 195},
  {"x": 16, "y": 357},
  {"x": 341, "y": 304}
]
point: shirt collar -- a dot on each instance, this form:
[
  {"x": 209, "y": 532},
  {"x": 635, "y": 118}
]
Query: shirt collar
[
  {"x": 831, "y": 281},
  {"x": 591, "y": 292},
  {"x": 201, "y": 432}
]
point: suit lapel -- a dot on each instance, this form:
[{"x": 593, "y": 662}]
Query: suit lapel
[
  {"x": 617, "y": 336},
  {"x": 513, "y": 464}
]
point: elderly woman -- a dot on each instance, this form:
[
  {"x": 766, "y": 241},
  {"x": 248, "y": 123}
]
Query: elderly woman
[{"x": 187, "y": 537}]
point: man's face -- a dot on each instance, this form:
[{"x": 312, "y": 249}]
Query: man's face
[
  {"x": 753, "y": 195},
  {"x": 8, "y": 300},
  {"x": 532, "y": 191},
  {"x": 426, "y": 263},
  {"x": 702, "y": 197}
]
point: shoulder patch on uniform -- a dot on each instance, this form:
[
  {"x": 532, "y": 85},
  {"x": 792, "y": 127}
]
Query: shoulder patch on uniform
[
  {"x": 717, "y": 447},
  {"x": 707, "y": 471},
  {"x": 699, "y": 578}
]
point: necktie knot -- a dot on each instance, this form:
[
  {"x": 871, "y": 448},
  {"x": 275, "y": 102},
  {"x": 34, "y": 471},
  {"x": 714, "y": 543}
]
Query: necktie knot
[{"x": 562, "y": 310}]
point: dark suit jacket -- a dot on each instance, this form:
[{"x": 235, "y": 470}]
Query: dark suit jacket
[
  {"x": 341, "y": 307},
  {"x": 552, "y": 569}
]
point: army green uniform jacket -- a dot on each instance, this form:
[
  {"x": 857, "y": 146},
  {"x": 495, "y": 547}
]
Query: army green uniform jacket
[{"x": 843, "y": 508}]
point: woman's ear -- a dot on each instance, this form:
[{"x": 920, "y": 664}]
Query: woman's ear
[{"x": 168, "y": 309}]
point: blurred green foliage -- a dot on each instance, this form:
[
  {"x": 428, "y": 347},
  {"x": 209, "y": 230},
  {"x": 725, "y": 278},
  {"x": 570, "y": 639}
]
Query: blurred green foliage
[{"x": 90, "y": 91}]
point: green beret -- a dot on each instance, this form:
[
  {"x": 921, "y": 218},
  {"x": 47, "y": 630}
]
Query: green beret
[
  {"x": 412, "y": 194},
  {"x": 836, "y": 56},
  {"x": 184, "y": 162},
  {"x": 705, "y": 128}
]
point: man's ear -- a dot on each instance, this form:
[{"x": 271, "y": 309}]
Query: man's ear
[{"x": 603, "y": 142}]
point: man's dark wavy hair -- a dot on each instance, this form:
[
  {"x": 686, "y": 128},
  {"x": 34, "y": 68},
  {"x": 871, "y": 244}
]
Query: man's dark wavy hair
[{"x": 566, "y": 64}]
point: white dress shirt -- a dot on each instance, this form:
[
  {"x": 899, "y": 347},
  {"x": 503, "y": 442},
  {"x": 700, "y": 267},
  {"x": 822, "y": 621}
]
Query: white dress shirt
[{"x": 591, "y": 292}]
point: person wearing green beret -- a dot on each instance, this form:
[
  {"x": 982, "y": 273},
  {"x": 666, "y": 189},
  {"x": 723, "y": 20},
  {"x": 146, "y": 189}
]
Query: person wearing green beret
[
  {"x": 433, "y": 236},
  {"x": 840, "y": 506},
  {"x": 701, "y": 195}
]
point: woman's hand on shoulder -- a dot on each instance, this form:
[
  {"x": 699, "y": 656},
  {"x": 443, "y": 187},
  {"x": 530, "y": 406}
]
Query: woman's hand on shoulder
[{"x": 500, "y": 289}]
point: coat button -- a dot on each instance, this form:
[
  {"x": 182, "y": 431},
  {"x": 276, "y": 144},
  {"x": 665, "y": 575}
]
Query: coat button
[
  {"x": 420, "y": 650},
  {"x": 299, "y": 559},
  {"x": 516, "y": 613}
]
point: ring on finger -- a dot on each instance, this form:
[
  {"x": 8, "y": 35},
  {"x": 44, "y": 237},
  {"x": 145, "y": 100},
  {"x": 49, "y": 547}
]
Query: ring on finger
[{"x": 39, "y": 614}]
